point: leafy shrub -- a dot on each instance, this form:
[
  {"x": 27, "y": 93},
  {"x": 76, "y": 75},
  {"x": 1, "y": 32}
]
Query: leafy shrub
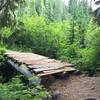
[
  {"x": 96, "y": 51},
  {"x": 5, "y": 32},
  {"x": 3, "y": 67},
  {"x": 90, "y": 55},
  {"x": 38, "y": 35},
  {"x": 2, "y": 50},
  {"x": 16, "y": 90}
]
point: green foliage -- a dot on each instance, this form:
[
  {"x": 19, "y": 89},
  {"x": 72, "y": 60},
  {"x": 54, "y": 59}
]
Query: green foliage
[
  {"x": 5, "y": 32},
  {"x": 7, "y": 11},
  {"x": 96, "y": 54},
  {"x": 53, "y": 10},
  {"x": 80, "y": 16},
  {"x": 16, "y": 90},
  {"x": 2, "y": 50},
  {"x": 5, "y": 72},
  {"x": 91, "y": 55},
  {"x": 38, "y": 35}
]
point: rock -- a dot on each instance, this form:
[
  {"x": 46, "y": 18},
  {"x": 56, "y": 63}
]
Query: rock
[
  {"x": 56, "y": 95},
  {"x": 93, "y": 88},
  {"x": 90, "y": 99},
  {"x": 77, "y": 72}
]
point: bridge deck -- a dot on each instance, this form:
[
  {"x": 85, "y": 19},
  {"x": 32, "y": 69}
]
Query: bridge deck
[{"x": 37, "y": 64}]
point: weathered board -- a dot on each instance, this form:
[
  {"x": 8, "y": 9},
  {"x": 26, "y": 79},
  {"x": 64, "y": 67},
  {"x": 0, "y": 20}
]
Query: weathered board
[{"x": 39, "y": 65}]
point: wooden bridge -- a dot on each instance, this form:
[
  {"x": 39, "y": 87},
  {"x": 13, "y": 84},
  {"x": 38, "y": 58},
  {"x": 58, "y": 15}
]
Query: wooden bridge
[{"x": 30, "y": 64}]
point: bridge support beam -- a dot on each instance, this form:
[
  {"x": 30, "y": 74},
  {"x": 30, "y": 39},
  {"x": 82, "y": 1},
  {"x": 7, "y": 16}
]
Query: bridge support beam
[{"x": 24, "y": 70}]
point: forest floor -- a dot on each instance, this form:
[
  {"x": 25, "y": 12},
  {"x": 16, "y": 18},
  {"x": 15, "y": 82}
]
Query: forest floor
[{"x": 77, "y": 88}]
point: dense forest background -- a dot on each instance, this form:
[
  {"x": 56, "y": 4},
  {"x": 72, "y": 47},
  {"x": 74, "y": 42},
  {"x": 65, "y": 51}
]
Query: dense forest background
[{"x": 50, "y": 28}]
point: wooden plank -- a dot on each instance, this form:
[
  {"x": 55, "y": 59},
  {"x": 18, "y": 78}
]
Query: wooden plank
[
  {"x": 46, "y": 69},
  {"x": 45, "y": 73},
  {"x": 29, "y": 61},
  {"x": 35, "y": 60},
  {"x": 49, "y": 65},
  {"x": 20, "y": 54}
]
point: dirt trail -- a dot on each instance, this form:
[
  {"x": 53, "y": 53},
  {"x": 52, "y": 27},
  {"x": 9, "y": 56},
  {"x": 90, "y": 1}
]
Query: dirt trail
[{"x": 77, "y": 88}]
